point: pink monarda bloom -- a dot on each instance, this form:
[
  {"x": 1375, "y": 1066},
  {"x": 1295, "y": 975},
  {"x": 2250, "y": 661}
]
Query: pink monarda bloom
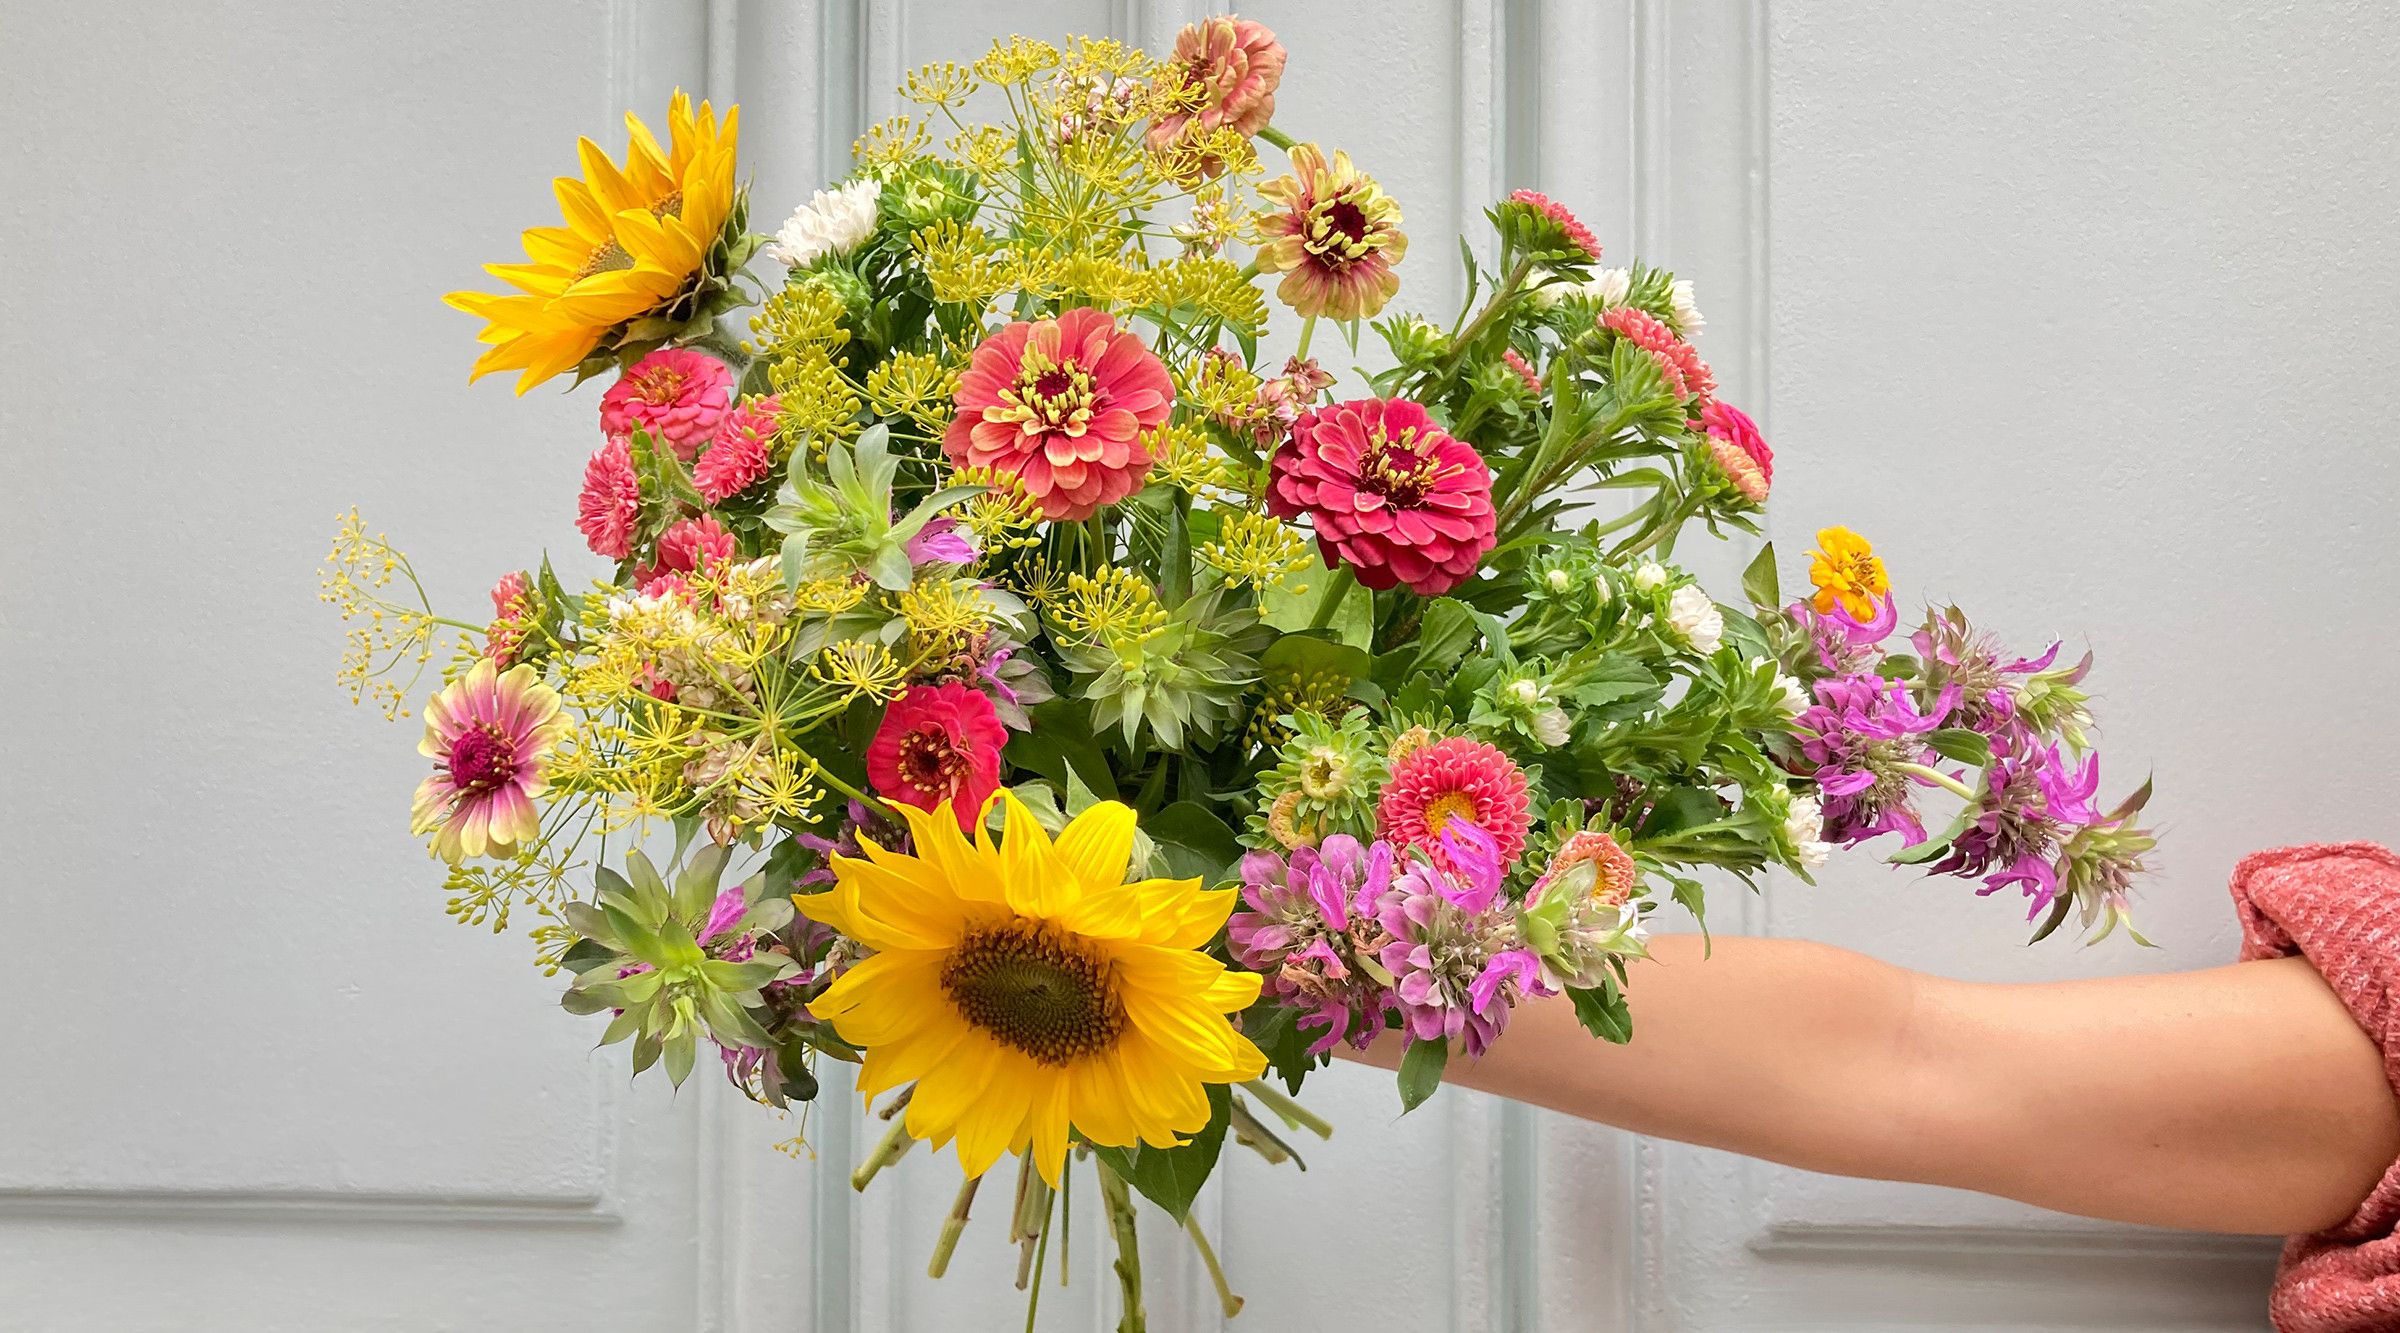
[
  {"x": 611, "y": 504},
  {"x": 488, "y": 733},
  {"x": 674, "y": 393},
  {"x": 512, "y": 605},
  {"x": 1235, "y": 64},
  {"x": 1686, "y": 374},
  {"x": 742, "y": 453},
  {"x": 1734, "y": 426},
  {"x": 1577, "y": 234},
  {"x": 1393, "y": 496},
  {"x": 1062, "y": 404},
  {"x": 1450, "y": 780}
]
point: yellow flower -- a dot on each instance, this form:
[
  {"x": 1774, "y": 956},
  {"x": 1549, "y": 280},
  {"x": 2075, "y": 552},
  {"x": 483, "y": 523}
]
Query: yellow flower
[
  {"x": 1030, "y": 992},
  {"x": 1846, "y": 572},
  {"x": 633, "y": 240}
]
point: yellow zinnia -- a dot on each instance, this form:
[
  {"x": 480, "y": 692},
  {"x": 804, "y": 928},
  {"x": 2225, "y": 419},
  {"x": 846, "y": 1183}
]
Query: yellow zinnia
[
  {"x": 1029, "y": 991},
  {"x": 1845, "y": 570},
  {"x": 634, "y": 241}
]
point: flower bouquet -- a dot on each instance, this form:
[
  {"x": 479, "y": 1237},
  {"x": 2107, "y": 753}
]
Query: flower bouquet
[{"x": 1006, "y": 676}]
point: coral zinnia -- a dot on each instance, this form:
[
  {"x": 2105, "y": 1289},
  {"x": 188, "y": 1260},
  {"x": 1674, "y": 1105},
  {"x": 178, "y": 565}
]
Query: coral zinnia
[
  {"x": 743, "y": 452},
  {"x": 489, "y": 732},
  {"x": 1392, "y": 495},
  {"x": 1335, "y": 240},
  {"x": 1231, "y": 66},
  {"x": 674, "y": 393},
  {"x": 611, "y": 504},
  {"x": 938, "y": 745},
  {"x": 692, "y": 546},
  {"x": 512, "y": 604},
  {"x": 1569, "y": 226},
  {"x": 1678, "y": 362},
  {"x": 1032, "y": 995},
  {"x": 634, "y": 240},
  {"x": 1455, "y": 779},
  {"x": 1734, "y": 426},
  {"x": 1062, "y": 404}
]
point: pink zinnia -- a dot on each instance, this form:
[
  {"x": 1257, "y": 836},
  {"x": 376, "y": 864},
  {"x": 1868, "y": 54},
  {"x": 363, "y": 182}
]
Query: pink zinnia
[
  {"x": 937, "y": 744},
  {"x": 1235, "y": 64},
  {"x": 1735, "y": 427},
  {"x": 612, "y": 500},
  {"x": 743, "y": 451},
  {"x": 1740, "y": 469},
  {"x": 511, "y": 603},
  {"x": 1061, "y": 404},
  {"x": 1392, "y": 496},
  {"x": 1614, "y": 875},
  {"x": 1579, "y": 235},
  {"x": 489, "y": 733},
  {"x": 1455, "y": 779},
  {"x": 1686, "y": 374},
  {"x": 690, "y": 547},
  {"x": 675, "y": 394}
]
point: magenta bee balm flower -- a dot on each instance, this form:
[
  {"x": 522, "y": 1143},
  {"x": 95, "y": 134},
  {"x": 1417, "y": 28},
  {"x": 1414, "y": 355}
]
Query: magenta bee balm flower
[
  {"x": 1312, "y": 932},
  {"x": 1866, "y": 739},
  {"x": 489, "y": 733}
]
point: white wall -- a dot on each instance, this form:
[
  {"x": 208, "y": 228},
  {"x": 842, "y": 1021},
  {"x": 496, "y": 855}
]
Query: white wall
[{"x": 2085, "y": 314}]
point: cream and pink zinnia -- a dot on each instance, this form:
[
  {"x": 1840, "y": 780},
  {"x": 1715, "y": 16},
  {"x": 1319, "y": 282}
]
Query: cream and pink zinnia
[{"x": 489, "y": 733}]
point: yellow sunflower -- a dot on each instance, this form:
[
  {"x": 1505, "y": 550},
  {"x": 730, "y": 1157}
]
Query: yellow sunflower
[
  {"x": 633, "y": 242},
  {"x": 1030, "y": 992}
]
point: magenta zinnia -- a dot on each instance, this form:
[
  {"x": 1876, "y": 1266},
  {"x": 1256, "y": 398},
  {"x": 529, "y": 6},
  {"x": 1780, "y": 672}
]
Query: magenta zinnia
[
  {"x": 489, "y": 733},
  {"x": 1062, "y": 404},
  {"x": 743, "y": 451},
  {"x": 1392, "y": 496},
  {"x": 1334, "y": 240}
]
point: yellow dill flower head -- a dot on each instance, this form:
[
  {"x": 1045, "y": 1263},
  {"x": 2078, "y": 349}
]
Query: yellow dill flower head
[
  {"x": 1113, "y": 606},
  {"x": 944, "y": 83},
  {"x": 861, "y": 667},
  {"x": 987, "y": 151},
  {"x": 387, "y": 643},
  {"x": 960, "y": 262},
  {"x": 830, "y": 596},
  {"x": 1038, "y": 581},
  {"x": 1030, "y": 992},
  {"x": 1014, "y": 60},
  {"x": 1185, "y": 458},
  {"x": 916, "y": 386},
  {"x": 819, "y": 402},
  {"x": 1207, "y": 287},
  {"x": 891, "y": 142},
  {"x": 1324, "y": 693},
  {"x": 1847, "y": 573},
  {"x": 1254, "y": 549},
  {"x": 1099, "y": 280},
  {"x": 798, "y": 320},
  {"x": 1221, "y": 386},
  {"x": 1004, "y": 515},
  {"x": 936, "y": 608}
]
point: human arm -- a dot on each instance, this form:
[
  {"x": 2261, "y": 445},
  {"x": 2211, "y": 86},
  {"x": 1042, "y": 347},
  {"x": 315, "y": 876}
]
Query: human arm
[{"x": 2241, "y": 1098}]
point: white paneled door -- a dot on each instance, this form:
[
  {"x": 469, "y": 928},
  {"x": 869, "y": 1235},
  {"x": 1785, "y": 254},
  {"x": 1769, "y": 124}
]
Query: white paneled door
[{"x": 2105, "y": 291}]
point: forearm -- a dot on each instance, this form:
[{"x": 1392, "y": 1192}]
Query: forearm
[{"x": 2237, "y": 1099}]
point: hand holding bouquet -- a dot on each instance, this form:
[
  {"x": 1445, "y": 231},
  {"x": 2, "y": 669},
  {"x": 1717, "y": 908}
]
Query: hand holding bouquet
[{"x": 1070, "y": 712}]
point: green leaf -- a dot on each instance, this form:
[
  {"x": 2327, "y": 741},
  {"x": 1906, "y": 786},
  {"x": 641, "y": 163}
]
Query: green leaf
[
  {"x": 1275, "y": 1030},
  {"x": 1962, "y": 745},
  {"x": 1195, "y": 841},
  {"x": 1694, "y": 899},
  {"x": 1172, "y": 1177},
  {"x": 1421, "y": 1071},
  {"x": 1602, "y": 1011},
  {"x": 1759, "y": 581}
]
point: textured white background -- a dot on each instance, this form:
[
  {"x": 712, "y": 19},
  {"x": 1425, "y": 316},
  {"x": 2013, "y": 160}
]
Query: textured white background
[{"x": 2087, "y": 314}]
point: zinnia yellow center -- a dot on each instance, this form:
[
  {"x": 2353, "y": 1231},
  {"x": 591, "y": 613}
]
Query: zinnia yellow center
[
  {"x": 1339, "y": 232},
  {"x": 1036, "y": 988},
  {"x": 1048, "y": 396},
  {"x": 1396, "y": 470},
  {"x": 1448, "y": 806}
]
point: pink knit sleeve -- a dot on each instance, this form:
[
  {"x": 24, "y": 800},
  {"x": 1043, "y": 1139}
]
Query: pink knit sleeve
[{"x": 2339, "y": 904}]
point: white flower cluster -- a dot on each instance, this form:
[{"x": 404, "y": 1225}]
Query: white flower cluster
[
  {"x": 1804, "y": 827},
  {"x": 831, "y": 222},
  {"x": 1694, "y": 615}
]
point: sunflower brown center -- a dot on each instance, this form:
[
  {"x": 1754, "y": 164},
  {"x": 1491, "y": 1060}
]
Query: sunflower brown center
[
  {"x": 482, "y": 760},
  {"x": 1036, "y": 988},
  {"x": 608, "y": 258}
]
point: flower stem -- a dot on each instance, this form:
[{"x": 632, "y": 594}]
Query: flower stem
[
  {"x": 874, "y": 806},
  {"x": 1277, "y": 137},
  {"x": 1308, "y": 330},
  {"x": 895, "y": 1145},
  {"x": 1291, "y": 1112},
  {"x": 1226, "y": 1300},
  {"x": 1339, "y": 591},
  {"x": 1041, "y": 1257},
  {"x": 1939, "y": 779},
  {"x": 952, "y": 1226},
  {"x": 1121, "y": 1222}
]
